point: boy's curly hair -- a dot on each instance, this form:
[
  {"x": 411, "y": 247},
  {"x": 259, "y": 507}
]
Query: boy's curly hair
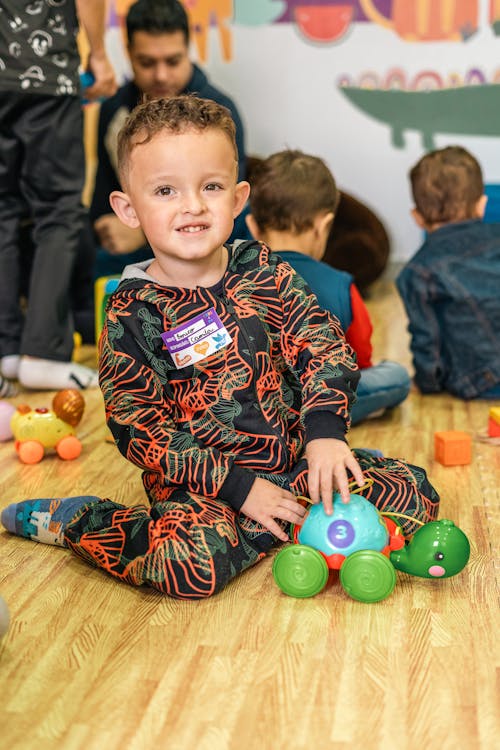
[
  {"x": 446, "y": 185},
  {"x": 175, "y": 115},
  {"x": 289, "y": 189}
]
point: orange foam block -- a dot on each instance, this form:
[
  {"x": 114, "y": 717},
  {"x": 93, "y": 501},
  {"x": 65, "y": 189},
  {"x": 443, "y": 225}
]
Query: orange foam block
[
  {"x": 494, "y": 422},
  {"x": 452, "y": 448}
]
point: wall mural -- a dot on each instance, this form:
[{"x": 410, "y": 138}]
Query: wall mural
[{"x": 428, "y": 102}]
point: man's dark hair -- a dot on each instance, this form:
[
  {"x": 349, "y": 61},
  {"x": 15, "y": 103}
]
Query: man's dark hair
[{"x": 157, "y": 17}]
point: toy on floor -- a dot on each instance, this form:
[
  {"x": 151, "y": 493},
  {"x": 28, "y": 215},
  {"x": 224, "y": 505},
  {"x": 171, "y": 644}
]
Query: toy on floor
[
  {"x": 494, "y": 422},
  {"x": 4, "y": 617},
  {"x": 453, "y": 448},
  {"x": 366, "y": 546},
  {"x": 492, "y": 434},
  {"x": 36, "y": 430},
  {"x": 103, "y": 289}
]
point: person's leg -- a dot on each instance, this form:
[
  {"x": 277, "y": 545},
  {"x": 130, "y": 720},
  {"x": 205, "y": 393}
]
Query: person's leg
[
  {"x": 491, "y": 393},
  {"x": 188, "y": 547},
  {"x": 51, "y": 181},
  {"x": 7, "y": 389},
  {"x": 82, "y": 285},
  {"x": 12, "y": 208},
  {"x": 43, "y": 519},
  {"x": 380, "y": 387},
  {"x": 82, "y": 282}
]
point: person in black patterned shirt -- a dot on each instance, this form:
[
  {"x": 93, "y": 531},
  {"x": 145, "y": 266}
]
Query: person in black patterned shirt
[{"x": 42, "y": 171}]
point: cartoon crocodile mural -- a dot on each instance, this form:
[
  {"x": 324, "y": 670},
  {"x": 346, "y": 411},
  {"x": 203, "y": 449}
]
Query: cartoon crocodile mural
[{"x": 462, "y": 110}]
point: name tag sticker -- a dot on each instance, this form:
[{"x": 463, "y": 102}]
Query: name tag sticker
[{"x": 196, "y": 339}]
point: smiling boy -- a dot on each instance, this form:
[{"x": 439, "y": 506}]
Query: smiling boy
[
  {"x": 223, "y": 379},
  {"x": 182, "y": 192}
]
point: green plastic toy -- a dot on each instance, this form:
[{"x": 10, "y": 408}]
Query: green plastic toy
[{"x": 366, "y": 547}]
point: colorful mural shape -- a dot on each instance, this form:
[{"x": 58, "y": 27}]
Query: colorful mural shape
[
  {"x": 327, "y": 21},
  {"x": 427, "y": 20},
  {"x": 203, "y": 14},
  {"x": 320, "y": 6},
  {"x": 429, "y": 104},
  {"x": 324, "y": 23},
  {"x": 495, "y": 16},
  {"x": 258, "y": 12},
  {"x": 461, "y": 105}
]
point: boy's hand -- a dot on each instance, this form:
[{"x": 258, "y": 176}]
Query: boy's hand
[
  {"x": 327, "y": 460},
  {"x": 266, "y": 501}
]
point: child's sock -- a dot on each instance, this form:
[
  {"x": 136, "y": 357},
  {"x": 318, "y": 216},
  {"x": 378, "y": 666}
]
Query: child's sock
[
  {"x": 43, "y": 520},
  {"x": 47, "y": 374},
  {"x": 7, "y": 389},
  {"x": 9, "y": 366}
]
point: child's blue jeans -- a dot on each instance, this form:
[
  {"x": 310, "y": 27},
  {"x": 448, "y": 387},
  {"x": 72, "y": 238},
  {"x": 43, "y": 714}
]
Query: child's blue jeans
[{"x": 382, "y": 386}]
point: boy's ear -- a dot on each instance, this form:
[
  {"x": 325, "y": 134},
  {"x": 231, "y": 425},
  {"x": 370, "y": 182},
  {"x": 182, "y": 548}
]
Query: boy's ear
[
  {"x": 253, "y": 227},
  {"x": 481, "y": 206},
  {"x": 241, "y": 193},
  {"x": 121, "y": 205},
  {"x": 418, "y": 218},
  {"x": 323, "y": 224}
]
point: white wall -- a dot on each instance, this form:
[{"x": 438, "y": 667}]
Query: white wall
[{"x": 286, "y": 88}]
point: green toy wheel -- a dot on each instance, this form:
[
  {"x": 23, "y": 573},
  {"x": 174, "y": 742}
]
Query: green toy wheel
[
  {"x": 300, "y": 571},
  {"x": 368, "y": 576}
]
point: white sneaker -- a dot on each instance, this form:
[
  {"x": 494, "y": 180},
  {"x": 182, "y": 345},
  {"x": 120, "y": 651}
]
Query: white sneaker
[
  {"x": 7, "y": 389},
  {"x": 49, "y": 375},
  {"x": 9, "y": 366}
]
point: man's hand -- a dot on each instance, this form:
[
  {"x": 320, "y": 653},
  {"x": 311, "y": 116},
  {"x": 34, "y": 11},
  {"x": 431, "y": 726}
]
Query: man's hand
[
  {"x": 328, "y": 460},
  {"x": 117, "y": 238},
  {"x": 266, "y": 501},
  {"x": 105, "y": 81}
]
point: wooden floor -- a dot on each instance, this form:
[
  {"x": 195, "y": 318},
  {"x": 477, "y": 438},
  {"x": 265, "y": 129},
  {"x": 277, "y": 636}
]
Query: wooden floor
[{"x": 89, "y": 663}]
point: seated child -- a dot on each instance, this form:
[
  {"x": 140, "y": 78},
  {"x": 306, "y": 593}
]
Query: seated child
[
  {"x": 223, "y": 380},
  {"x": 451, "y": 287},
  {"x": 292, "y": 207}
]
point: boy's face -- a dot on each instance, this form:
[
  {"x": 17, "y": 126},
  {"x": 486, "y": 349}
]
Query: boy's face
[
  {"x": 160, "y": 63},
  {"x": 182, "y": 191}
]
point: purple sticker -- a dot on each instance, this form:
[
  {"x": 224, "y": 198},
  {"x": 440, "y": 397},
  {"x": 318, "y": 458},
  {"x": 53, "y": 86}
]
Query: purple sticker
[{"x": 196, "y": 339}]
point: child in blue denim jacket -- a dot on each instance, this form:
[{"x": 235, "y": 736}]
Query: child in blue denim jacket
[{"x": 451, "y": 287}]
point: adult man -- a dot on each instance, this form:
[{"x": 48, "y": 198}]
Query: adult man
[{"x": 158, "y": 47}]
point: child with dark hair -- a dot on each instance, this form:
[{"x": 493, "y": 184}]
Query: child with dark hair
[
  {"x": 292, "y": 207},
  {"x": 450, "y": 288},
  {"x": 223, "y": 380}
]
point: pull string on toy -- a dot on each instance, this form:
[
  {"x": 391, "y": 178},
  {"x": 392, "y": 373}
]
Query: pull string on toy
[
  {"x": 352, "y": 486},
  {"x": 356, "y": 490}
]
